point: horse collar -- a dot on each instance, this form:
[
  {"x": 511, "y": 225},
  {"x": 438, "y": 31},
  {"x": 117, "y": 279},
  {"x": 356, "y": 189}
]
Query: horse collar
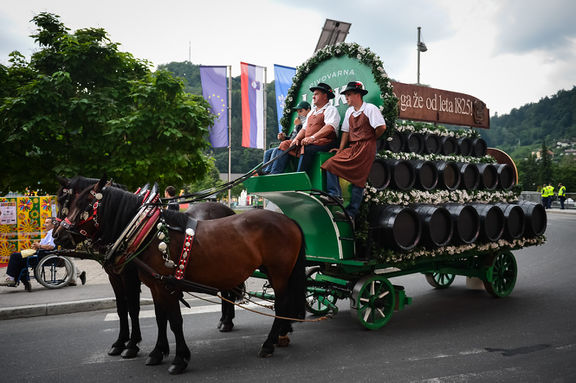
[{"x": 190, "y": 233}]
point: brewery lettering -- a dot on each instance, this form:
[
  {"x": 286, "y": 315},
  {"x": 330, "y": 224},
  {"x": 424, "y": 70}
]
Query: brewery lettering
[{"x": 437, "y": 102}]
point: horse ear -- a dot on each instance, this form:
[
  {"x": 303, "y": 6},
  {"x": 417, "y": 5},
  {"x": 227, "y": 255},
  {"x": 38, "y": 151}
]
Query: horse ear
[
  {"x": 63, "y": 181},
  {"x": 100, "y": 185}
]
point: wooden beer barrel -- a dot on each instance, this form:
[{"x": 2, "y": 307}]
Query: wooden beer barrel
[
  {"x": 448, "y": 145},
  {"x": 403, "y": 174},
  {"x": 448, "y": 175},
  {"x": 488, "y": 176},
  {"x": 437, "y": 225},
  {"x": 469, "y": 176},
  {"x": 413, "y": 143},
  {"x": 466, "y": 223},
  {"x": 431, "y": 143},
  {"x": 464, "y": 146},
  {"x": 426, "y": 174},
  {"x": 380, "y": 173},
  {"x": 395, "y": 227},
  {"x": 395, "y": 143},
  {"x": 479, "y": 147},
  {"x": 491, "y": 221},
  {"x": 535, "y": 218},
  {"x": 514, "y": 217},
  {"x": 506, "y": 176}
]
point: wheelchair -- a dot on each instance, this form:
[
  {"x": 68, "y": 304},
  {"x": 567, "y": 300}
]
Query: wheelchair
[{"x": 53, "y": 271}]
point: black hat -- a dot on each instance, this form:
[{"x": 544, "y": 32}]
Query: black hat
[
  {"x": 324, "y": 88},
  {"x": 302, "y": 105},
  {"x": 355, "y": 86}
]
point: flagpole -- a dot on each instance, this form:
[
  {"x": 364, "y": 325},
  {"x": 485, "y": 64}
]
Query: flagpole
[
  {"x": 229, "y": 132},
  {"x": 264, "y": 91}
]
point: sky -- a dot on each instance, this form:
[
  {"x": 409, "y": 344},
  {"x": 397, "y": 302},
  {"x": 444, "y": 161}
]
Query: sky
[{"x": 505, "y": 52}]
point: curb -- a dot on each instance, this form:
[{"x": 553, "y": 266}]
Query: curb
[{"x": 62, "y": 308}]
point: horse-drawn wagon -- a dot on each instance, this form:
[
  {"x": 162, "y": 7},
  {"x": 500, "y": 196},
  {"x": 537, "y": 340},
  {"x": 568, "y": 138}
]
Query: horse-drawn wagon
[{"x": 438, "y": 201}]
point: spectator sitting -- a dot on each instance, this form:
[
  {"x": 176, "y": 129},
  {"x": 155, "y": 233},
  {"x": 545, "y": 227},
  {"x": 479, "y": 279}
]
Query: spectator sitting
[
  {"x": 302, "y": 110},
  {"x": 17, "y": 263}
]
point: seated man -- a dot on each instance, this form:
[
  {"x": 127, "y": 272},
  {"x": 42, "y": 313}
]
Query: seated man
[
  {"x": 318, "y": 133},
  {"x": 363, "y": 124},
  {"x": 302, "y": 110},
  {"x": 17, "y": 263}
]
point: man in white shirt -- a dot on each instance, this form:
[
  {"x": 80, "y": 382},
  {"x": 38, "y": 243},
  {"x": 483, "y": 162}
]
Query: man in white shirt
[
  {"x": 17, "y": 263},
  {"x": 363, "y": 124},
  {"x": 318, "y": 134}
]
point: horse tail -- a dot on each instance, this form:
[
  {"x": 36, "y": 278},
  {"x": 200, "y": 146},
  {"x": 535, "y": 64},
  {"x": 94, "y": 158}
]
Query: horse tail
[{"x": 296, "y": 289}]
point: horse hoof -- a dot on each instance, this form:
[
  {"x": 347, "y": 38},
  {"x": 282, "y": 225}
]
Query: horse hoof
[
  {"x": 116, "y": 350},
  {"x": 177, "y": 369},
  {"x": 283, "y": 341},
  {"x": 130, "y": 353},
  {"x": 266, "y": 352},
  {"x": 226, "y": 327},
  {"x": 153, "y": 360}
]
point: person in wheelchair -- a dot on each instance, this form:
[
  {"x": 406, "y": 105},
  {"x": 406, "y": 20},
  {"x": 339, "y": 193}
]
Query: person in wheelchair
[{"x": 18, "y": 265}]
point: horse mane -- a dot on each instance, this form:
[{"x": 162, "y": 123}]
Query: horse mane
[
  {"x": 175, "y": 218},
  {"x": 115, "y": 211},
  {"x": 77, "y": 184}
]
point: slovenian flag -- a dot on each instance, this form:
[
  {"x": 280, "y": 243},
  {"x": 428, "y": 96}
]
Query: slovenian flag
[{"x": 252, "y": 89}]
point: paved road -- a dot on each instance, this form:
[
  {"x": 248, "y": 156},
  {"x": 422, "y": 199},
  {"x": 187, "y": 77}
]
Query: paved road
[{"x": 454, "y": 335}]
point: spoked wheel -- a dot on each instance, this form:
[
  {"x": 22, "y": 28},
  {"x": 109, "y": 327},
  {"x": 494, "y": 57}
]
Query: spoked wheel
[
  {"x": 372, "y": 301},
  {"x": 440, "y": 280},
  {"x": 54, "y": 271},
  {"x": 318, "y": 300},
  {"x": 504, "y": 273}
]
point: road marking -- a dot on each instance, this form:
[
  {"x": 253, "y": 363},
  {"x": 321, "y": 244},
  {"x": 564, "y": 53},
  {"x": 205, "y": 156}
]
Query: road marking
[{"x": 185, "y": 311}]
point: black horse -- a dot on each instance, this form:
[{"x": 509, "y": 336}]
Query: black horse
[
  {"x": 219, "y": 253},
  {"x": 126, "y": 284}
]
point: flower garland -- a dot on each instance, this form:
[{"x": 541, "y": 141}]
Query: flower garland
[
  {"x": 439, "y": 130},
  {"x": 453, "y": 252},
  {"x": 389, "y": 101},
  {"x": 396, "y": 197},
  {"x": 387, "y": 154}
]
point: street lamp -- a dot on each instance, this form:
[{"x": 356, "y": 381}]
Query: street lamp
[{"x": 420, "y": 47}]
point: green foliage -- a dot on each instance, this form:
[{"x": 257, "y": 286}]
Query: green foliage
[
  {"x": 551, "y": 119},
  {"x": 80, "y": 106}
]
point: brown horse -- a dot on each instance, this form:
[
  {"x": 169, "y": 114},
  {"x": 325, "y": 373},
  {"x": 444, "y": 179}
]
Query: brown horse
[
  {"x": 126, "y": 285},
  {"x": 223, "y": 254}
]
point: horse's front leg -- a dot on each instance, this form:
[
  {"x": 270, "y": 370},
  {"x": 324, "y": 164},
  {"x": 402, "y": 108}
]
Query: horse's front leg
[
  {"x": 122, "y": 310},
  {"x": 162, "y": 348},
  {"x": 132, "y": 289},
  {"x": 182, "y": 357}
]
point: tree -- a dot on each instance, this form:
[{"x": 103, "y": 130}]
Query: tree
[
  {"x": 80, "y": 106},
  {"x": 545, "y": 166}
]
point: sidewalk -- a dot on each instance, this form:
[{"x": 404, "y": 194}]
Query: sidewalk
[{"x": 96, "y": 294}]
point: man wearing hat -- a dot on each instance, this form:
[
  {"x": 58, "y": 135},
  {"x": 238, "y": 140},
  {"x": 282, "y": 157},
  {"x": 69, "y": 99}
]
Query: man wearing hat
[
  {"x": 318, "y": 133},
  {"x": 362, "y": 125},
  {"x": 302, "y": 110}
]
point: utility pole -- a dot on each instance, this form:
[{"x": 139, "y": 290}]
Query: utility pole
[{"x": 420, "y": 47}]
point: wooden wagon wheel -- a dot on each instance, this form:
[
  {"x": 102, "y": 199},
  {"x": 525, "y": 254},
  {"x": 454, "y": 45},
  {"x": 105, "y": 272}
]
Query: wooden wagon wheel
[
  {"x": 318, "y": 303},
  {"x": 504, "y": 272},
  {"x": 372, "y": 301},
  {"x": 439, "y": 280}
]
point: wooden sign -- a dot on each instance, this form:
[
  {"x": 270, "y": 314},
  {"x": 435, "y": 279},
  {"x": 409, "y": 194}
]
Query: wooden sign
[{"x": 421, "y": 103}]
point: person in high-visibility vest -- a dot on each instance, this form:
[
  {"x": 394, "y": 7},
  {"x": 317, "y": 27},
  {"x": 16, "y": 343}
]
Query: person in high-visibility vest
[
  {"x": 543, "y": 194},
  {"x": 561, "y": 195},
  {"x": 550, "y": 195}
]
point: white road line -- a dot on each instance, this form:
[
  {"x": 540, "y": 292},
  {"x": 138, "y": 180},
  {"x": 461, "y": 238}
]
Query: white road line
[{"x": 185, "y": 311}]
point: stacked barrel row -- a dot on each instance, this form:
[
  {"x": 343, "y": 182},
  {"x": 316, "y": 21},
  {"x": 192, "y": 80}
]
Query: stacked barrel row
[
  {"x": 433, "y": 226},
  {"x": 428, "y": 143},
  {"x": 427, "y": 175}
]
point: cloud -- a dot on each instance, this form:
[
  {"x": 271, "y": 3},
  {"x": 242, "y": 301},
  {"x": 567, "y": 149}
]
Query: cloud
[{"x": 536, "y": 25}]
